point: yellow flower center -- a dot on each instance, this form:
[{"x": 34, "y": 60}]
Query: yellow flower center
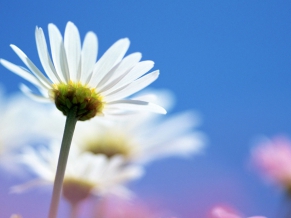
[
  {"x": 111, "y": 144},
  {"x": 88, "y": 102},
  {"x": 76, "y": 190}
]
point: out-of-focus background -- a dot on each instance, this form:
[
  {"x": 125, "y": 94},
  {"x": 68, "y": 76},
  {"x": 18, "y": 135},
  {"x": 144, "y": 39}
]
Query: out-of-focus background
[{"x": 228, "y": 60}]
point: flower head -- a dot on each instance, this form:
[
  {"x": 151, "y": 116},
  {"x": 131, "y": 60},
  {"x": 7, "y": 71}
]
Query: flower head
[
  {"x": 74, "y": 78},
  {"x": 141, "y": 137},
  {"x": 86, "y": 174},
  {"x": 273, "y": 159}
]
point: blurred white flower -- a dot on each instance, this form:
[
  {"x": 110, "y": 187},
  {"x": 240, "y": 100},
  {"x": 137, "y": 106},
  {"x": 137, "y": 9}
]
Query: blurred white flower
[
  {"x": 21, "y": 121},
  {"x": 143, "y": 136},
  {"x": 85, "y": 173},
  {"x": 74, "y": 78}
]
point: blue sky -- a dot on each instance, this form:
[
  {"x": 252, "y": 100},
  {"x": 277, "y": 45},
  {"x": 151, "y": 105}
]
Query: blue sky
[{"x": 228, "y": 60}]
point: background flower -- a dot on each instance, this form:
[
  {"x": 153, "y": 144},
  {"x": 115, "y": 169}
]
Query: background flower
[
  {"x": 272, "y": 157},
  {"x": 142, "y": 137},
  {"x": 105, "y": 176},
  {"x": 21, "y": 123},
  {"x": 230, "y": 60}
]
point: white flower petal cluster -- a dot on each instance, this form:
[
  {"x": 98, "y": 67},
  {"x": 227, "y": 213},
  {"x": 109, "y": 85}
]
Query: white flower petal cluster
[
  {"x": 143, "y": 136},
  {"x": 107, "y": 176},
  {"x": 21, "y": 121},
  {"x": 114, "y": 77}
]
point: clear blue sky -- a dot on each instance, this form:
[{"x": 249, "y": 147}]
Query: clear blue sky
[{"x": 229, "y": 60}]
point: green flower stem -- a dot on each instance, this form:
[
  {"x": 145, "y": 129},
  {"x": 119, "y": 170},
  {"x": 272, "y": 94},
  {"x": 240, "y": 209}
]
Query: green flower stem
[{"x": 62, "y": 162}]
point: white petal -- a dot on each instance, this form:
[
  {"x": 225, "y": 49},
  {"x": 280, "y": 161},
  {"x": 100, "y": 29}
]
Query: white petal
[
  {"x": 122, "y": 69},
  {"x": 88, "y": 56},
  {"x": 139, "y": 69},
  {"x": 184, "y": 146},
  {"x": 116, "y": 112},
  {"x": 29, "y": 93},
  {"x": 100, "y": 164},
  {"x": 111, "y": 57},
  {"x": 31, "y": 66},
  {"x": 136, "y": 105},
  {"x": 26, "y": 186},
  {"x": 107, "y": 76},
  {"x": 130, "y": 173},
  {"x": 127, "y": 63},
  {"x": 133, "y": 87},
  {"x": 175, "y": 126},
  {"x": 21, "y": 72},
  {"x": 44, "y": 56},
  {"x": 73, "y": 50},
  {"x": 58, "y": 52}
]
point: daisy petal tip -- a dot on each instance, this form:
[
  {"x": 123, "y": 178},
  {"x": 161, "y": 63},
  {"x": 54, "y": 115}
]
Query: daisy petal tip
[
  {"x": 125, "y": 41},
  {"x": 92, "y": 34},
  {"x": 39, "y": 29},
  {"x": 3, "y": 62},
  {"x": 23, "y": 88},
  {"x": 16, "y": 49},
  {"x": 70, "y": 24},
  {"x": 139, "y": 55},
  {"x": 151, "y": 63},
  {"x": 156, "y": 73},
  {"x": 163, "y": 111},
  {"x": 52, "y": 27},
  {"x": 158, "y": 109}
]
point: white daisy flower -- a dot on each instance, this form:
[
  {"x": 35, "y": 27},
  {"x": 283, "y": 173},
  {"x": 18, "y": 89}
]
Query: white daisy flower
[
  {"x": 86, "y": 173},
  {"x": 74, "y": 78},
  {"x": 142, "y": 137}
]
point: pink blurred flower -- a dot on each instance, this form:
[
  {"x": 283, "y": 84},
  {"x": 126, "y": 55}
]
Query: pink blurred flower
[
  {"x": 273, "y": 159},
  {"x": 228, "y": 212}
]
